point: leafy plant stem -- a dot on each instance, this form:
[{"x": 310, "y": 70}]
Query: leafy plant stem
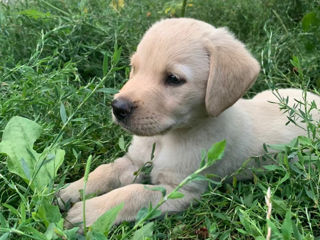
[
  {"x": 165, "y": 198},
  {"x": 183, "y": 8},
  {"x": 13, "y": 230},
  {"x": 86, "y": 175}
]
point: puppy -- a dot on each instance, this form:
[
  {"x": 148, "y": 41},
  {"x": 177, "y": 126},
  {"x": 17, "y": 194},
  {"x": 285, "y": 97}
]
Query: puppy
[{"x": 186, "y": 81}]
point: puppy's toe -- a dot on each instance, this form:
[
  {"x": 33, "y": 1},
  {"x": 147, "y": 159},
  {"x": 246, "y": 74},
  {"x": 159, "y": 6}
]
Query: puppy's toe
[
  {"x": 74, "y": 216},
  {"x": 67, "y": 196}
]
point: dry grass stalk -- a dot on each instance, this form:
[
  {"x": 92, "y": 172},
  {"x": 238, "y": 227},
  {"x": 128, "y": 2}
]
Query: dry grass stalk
[{"x": 269, "y": 205}]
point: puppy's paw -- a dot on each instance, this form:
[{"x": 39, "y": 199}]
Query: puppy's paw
[
  {"x": 70, "y": 194},
  {"x": 75, "y": 216},
  {"x": 94, "y": 209}
]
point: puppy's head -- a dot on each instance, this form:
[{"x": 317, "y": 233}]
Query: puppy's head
[{"x": 183, "y": 70}]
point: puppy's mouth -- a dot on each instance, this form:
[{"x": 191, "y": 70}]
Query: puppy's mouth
[
  {"x": 144, "y": 128},
  {"x": 145, "y": 132}
]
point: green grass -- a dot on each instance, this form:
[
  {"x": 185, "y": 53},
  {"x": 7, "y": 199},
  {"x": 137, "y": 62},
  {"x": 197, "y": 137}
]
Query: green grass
[{"x": 52, "y": 54}]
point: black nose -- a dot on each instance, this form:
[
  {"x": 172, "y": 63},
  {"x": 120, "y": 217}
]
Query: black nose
[{"x": 122, "y": 108}]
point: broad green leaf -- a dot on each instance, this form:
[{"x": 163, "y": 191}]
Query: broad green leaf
[
  {"x": 285, "y": 178},
  {"x": 58, "y": 229},
  {"x": 310, "y": 193},
  {"x": 216, "y": 152},
  {"x": 63, "y": 113},
  {"x": 5, "y": 236},
  {"x": 144, "y": 211},
  {"x": 71, "y": 233},
  {"x": 17, "y": 141},
  {"x": 157, "y": 188},
  {"x": 178, "y": 229},
  {"x": 285, "y": 160},
  {"x": 3, "y": 17},
  {"x": 22, "y": 210},
  {"x": 274, "y": 229},
  {"x": 199, "y": 177},
  {"x": 153, "y": 150},
  {"x": 121, "y": 143},
  {"x": 26, "y": 169},
  {"x": 221, "y": 216},
  {"x": 310, "y": 20},
  {"x": 96, "y": 236},
  {"x": 278, "y": 147},
  {"x": 249, "y": 224},
  {"x": 206, "y": 178},
  {"x": 279, "y": 206},
  {"x": 36, "y": 169},
  {"x": 116, "y": 56},
  {"x": 109, "y": 91},
  {"x": 47, "y": 166},
  {"x": 203, "y": 159},
  {"x": 33, "y": 232},
  {"x": 11, "y": 209},
  {"x": 175, "y": 195},
  {"x": 143, "y": 233},
  {"x": 286, "y": 227},
  {"x": 35, "y": 14},
  {"x": 3, "y": 221},
  {"x": 248, "y": 200},
  {"x": 48, "y": 213},
  {"x": 50, "y": 231},
  {"x": 272, "y": 167},
  {"x": 295, "y": 230},
  {"x": 156, "y": 213},
  {"x": 234, "y": 181},
  {"x": 305, "y": 141},
  {"x": 225, "y": 235},
  {"x": 241, "y": 231},
  {"x": 105, "y": 222}
]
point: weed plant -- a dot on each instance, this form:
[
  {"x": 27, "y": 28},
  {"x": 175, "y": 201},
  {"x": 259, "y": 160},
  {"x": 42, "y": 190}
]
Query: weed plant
[{"x": 60, "y": 64}]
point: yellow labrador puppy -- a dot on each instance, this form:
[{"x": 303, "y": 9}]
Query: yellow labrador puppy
[{"x": 184, "y": 93}]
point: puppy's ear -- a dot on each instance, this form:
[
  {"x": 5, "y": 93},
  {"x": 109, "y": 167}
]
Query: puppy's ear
[{"x": 232, "y": 71}]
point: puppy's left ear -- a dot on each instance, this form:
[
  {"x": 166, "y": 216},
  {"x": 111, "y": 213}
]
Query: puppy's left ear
[{"x": 232, "y": 71}]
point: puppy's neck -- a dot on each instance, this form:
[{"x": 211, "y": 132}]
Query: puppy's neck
[{"x": 231, "y": 118}]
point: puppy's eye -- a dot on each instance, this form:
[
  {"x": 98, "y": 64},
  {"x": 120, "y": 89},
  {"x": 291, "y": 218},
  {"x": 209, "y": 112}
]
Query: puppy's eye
[{"x": 173, "y": 80}]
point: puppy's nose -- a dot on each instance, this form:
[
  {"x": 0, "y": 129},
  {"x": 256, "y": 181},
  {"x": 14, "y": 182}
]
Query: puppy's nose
[{"x": 122, "y": 108}]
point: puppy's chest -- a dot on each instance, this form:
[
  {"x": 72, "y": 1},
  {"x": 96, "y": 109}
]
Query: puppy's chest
[{"x": 173, "y": 162}]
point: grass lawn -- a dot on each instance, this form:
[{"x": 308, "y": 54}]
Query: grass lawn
[{"x": 60, "y": 63}]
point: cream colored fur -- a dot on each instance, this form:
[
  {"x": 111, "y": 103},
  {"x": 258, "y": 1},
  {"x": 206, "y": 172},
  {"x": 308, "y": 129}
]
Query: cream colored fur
[{"x": 184, "y": 120}]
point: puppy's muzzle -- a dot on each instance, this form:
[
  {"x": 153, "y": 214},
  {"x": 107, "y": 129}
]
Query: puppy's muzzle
[{"x": 122, "y": 108}]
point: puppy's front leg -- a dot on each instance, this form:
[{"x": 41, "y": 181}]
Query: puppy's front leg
[
  {"x": 134, "y": 197},
  {"x": 103, "y": 179}
]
